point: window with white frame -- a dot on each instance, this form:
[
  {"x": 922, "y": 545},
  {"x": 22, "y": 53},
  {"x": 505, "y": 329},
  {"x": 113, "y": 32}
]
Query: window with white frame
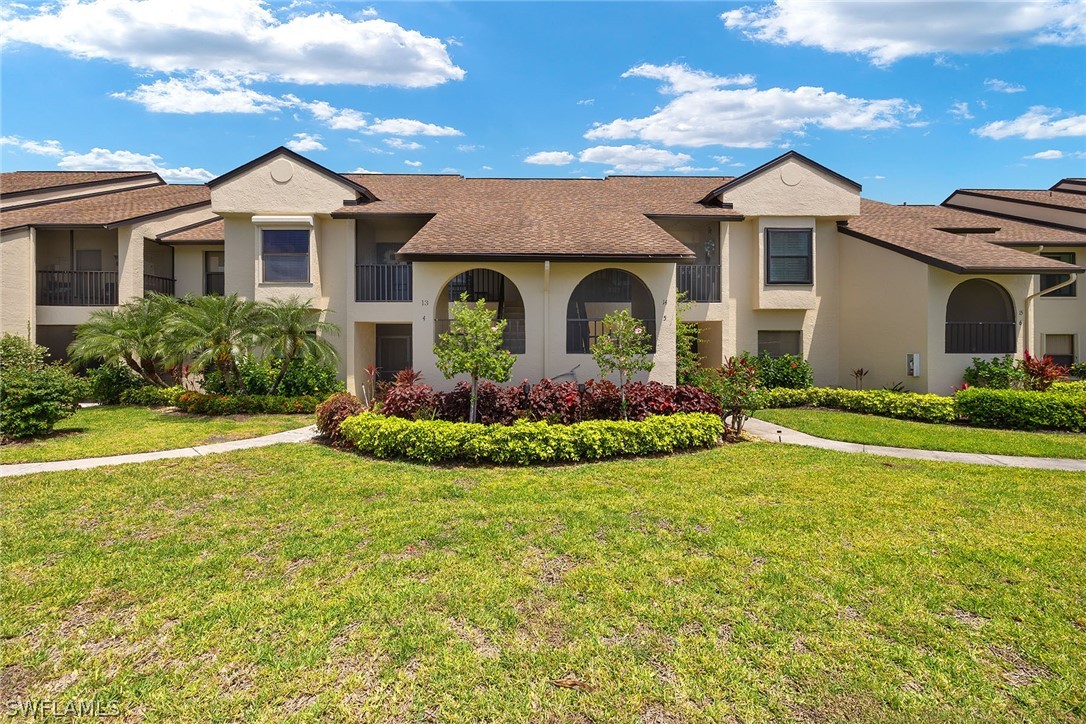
[
  {"x": 789, "y": 256},
  {"x": 285, "y": 254}
]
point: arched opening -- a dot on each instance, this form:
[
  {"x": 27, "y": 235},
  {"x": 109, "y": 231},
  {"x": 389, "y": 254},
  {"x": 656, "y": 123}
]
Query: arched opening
[
  {"x": 497, "y": 292},
  {"x": 599, "y": 294},
  {"x": 980, "y": 319}
]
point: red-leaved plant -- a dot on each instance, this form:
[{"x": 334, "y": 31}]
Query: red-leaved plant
[{"x": 1042, "y": 371}]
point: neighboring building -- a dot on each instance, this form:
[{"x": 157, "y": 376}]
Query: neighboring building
[{"x": 786, "y": 258}]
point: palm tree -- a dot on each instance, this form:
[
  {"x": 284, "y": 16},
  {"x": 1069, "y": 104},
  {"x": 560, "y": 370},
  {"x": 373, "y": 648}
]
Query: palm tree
[
  {"x": 215, "y": 331},
  {"x": 293, "y": 330},
  {"x": 133, "y": 334}
]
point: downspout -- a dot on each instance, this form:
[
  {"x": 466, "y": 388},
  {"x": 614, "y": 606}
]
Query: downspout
[
  {"x": 546, "y": 311},
  {"x": 1028, "y": 305}
]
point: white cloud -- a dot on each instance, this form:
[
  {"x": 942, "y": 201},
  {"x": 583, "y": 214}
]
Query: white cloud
[
  {"x": 681, "y": 78},
  {"x": 409, "y": 127},
  {"x": 1037, "y": 122},
  {"x": 890, "y": 30},
  {"x": 235, "y": 37},
  {"x": 38, "y": 148},
  {"x": 202, "y": 92},
  {"x": 402, "y": 145},
  {"x": 704, "y": 114},
  {"x": 487, "y": 168},
  {"x": 103, "y": 159},
  {"x": 1054, "y": 155},
  {"x": 551, "y": 158},
  {"x": 413, "y": 164},
  {"x": 303, "y": 142},
  {"x": 338, "y": 119},
  {"x": 694, "y": 169},
  {"x": 722, "y": 159},
  {"x": 1002, "y": 86},
  {"x": 369, "y": 13},
  {"x": 586, "y": 101},
  {"x": 467, "y": 148},
  {"x": 363, "y": 170},
  {"x": 634, "y": 159},
  {"x": 960, "y": 109}
]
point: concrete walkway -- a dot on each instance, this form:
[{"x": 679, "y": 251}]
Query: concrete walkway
[
  {"x": 776, "y": 433},
  {"x": 302, "y": 434}
]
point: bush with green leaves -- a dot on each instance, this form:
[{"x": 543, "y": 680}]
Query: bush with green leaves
[
  {"x": 1001, "y": 373},
  {"x": 1024, "y": 409},
  {"x": 150, "y": 396},
  {"x": 624, "y": 347},
  {"x": 1077, "y": 370},
  {"x": 34, "y": 395},
  {"x": 198, "y": 403},
  {"x": 304, "y": 376},
  {"x": 735, "y": 387},
  {"x": 473, "y": 346},
  {"x": 109, "y": 381},
  {"x": 901, "y": 405},
  {"x": 332, "y": 412},
  {"x": 789, "y": 371},
  {"x": 526, "y": 442}
]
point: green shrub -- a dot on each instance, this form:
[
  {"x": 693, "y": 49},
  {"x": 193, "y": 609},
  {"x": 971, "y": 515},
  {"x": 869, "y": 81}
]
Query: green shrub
[
  {"x": 17, "y": 353},
  {"x": 303, "y": 377},
  {"x": 1024, "y": 409},
  {"x": 109, "y": 382},
  {"x": 200, "y": 404},
  {"x": 332, "y": 412},
  {"x": 33, "y": 401},
  {"x": 525, "y": 442},
  {"x": 785, "y": 371},
  {"x": 151, "y": 396},
  {"x": 902, "y": 405},
  {"x": 1072, "y": 386},
  {"x": 1077, "y": 370},
  {"x": 1001, "y": 373}
]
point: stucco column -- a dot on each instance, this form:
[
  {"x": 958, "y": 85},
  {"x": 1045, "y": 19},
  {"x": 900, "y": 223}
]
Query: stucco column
[
  {"x": 18, "y": 283},
  {"x": 129, "y": 264}
]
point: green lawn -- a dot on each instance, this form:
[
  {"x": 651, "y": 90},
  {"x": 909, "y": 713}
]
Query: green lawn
[
  {"x": 97, "y": 431},
  {"x": 750, "y": 582},
  {"x": 874, "y": 430}
]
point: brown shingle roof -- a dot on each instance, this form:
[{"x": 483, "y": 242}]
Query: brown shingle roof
[
  {"x": 19, "y": 182},
  {"x": 209, "y": 231},
  {"x": 540, "y": 217},
  {"x": 919, "y": 232},
  {"x": 1060, "y": 199},
  {"x": 111, "y": 209}
]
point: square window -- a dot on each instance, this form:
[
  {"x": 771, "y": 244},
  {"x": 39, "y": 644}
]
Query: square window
[
  {"x": 1061, "y": 348},
  {"x": 779, "y": 343},
  {"x": 788, "y": 256},
  {"x": 1051, "y": 280},
  {"x": 286, "y": 255}
]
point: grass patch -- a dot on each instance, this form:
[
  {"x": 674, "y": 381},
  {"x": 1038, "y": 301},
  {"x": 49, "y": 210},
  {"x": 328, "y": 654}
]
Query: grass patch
[
  {"x": 98, "y": 431},
  {"x": 748, "y": 582},
  {"x": 873, "y": 430}
]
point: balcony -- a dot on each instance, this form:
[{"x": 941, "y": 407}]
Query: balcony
[
  {"x": 582, "y": 333},
  {"x": 699, "y": 282},
  {"x": 77, "y": 288},
  {"x": 161, "y": 285},
  {"x": 512, "y": 337},
  {"x": 382, "y": 283},
  {"x": 981, "y": 337}
]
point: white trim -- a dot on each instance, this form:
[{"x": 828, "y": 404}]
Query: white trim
[{"x": 276, "y": 220}]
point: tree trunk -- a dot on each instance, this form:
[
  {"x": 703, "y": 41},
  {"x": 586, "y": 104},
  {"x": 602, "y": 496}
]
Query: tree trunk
[
  {"x": 137, "y": 368},
  {"x": 239, "y": 383},
  {"x": 622, "y": 394},
  {"x": 283, "y": 370},
  {"x": 474, "y": 397}
]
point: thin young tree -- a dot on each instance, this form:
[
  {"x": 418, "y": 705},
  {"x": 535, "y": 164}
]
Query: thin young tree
[
  {"x": 293, "y": 330},
  {"x": 625, "y": 348},
  {"x": 132, "y": 334},
  {"x": 215, "y": 331},
  {"x": 473, "y": 346}
]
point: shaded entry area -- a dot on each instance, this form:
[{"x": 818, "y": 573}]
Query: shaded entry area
[
  {"x": 392, "y": 349},
  {"x": 980, "y": 319},
  {"x": 497, "y": 292},
  {"x": 599, "y": 294}
]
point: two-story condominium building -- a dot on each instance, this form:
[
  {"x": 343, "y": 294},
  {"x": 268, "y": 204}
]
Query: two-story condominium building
[{"x": 786, "y": 258}]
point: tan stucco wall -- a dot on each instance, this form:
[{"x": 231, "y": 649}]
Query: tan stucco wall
[
  {"x": 17, "y": 282},
  {"x": 188, "y": 263},
  {"x": 794, "y": 189},
  {"x": 256, "y": 192},
  {"x": 1062, "y": 315}
]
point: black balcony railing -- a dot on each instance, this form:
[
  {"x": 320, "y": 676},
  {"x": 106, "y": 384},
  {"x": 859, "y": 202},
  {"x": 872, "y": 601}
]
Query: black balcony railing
[
  {"x": 581, "y": 334},
  {"x": 512, "y": 337},
  {"x": 981, "y": 337},
  {"x": 161, "y": 285},
  {"x": 77, "y": 288},
  {"x": 700, "y": 282},
  {"x": 382, "y": 283}
]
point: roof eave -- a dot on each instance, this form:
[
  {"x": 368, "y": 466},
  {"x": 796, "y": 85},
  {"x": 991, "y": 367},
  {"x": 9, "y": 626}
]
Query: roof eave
[
  {"x": 424, "y": 256},
  {"x": 294, "y": 156},
  {"x": 776, "y": 162}
]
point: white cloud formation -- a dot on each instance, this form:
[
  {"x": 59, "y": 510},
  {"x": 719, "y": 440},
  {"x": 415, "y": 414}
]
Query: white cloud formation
[
  {"x": 703, "y": 113},
  {"x": 202, "y": 92},
  {"x": 409, "y": 127},
  {"x": 681, "y": 78},
  {"x": 467, "y": 147},
  {"x": 634, "y": 159},
  {"x": 960, "y": 109},
  {"x": 1037, "y": 122},
  {"x": 364, "y": 170},
  {"x": 586, "y": 101},
  {"x": 402, "y": 145},
  {"x": 1002, "y": 86},
  {"x": 414, "y": 164},
  {"x": 890, "y": 30},
  {"x": 235, "y": 37},
  {"x": 303, "y": 142},
  {"x": 551, "y": 158},
  {"x": 104, "y": 159},
  {"x": 1054, "y": 155}
]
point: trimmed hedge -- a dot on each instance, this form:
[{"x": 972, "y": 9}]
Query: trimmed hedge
[
  {"x": 152, "y": 396},
  {"x": 201, "y": 404},
  {"x": 902, "y": 405},
  {"x": 1053, "y": 409},
  {"x": 526, "y": 443}
]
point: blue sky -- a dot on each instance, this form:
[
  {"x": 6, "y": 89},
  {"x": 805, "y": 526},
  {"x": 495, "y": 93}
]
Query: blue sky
[{"x": 912, "y": 100}]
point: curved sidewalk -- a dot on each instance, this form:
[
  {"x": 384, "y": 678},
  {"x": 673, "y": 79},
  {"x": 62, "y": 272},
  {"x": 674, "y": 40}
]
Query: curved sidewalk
[
  {"x": 301, "y": 434},
  {"x": 777, "y": 433}
]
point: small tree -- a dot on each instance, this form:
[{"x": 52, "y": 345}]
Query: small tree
[
  {"x": 624, "y": 348},
  {"x": 293, "y": 330},
  {"x": 688, "y": 369},
  {"x": 473, "y": 345},
  {"x": 735, "y": 386}
]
